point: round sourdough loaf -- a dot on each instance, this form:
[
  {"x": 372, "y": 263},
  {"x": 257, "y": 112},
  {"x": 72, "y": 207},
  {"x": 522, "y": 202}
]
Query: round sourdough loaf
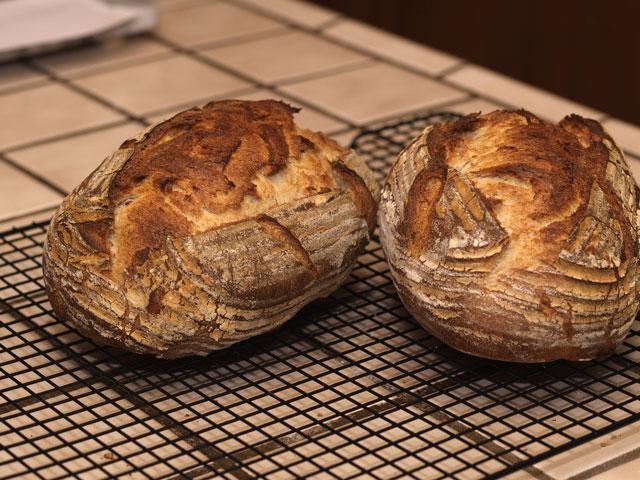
[
  {"x": 208, "y": 228},
  {"x": 515, "y": 239}
]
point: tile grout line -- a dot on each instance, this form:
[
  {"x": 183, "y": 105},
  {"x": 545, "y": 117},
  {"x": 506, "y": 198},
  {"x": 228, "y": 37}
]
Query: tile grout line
[
  {"x": 63, "y": 136},
  {"x": 381, "y": 57},
  {"x": 228, "y": 42},
  {"x": 336, "y": 41},
  {"x": 74, "y": 75},
  {"x": 438, "y": 108},
  {"x": 50, "y": 75},
  {"x": 67, "y": 83},
  {"x": 329, "y": 72},
  {"x": 493, "y": 99},
  {"x": 375, "y": 57},
  {"x": 410, "y": 398},
  {"x": 24, "y": 86},
  {"x": 321, "y": 34},
  {"x": 318, "y": 29},
  {"x": 331, "y": 426},
  {"x": 440, "y": 76},
  {"x": 608, "y": 465},
  {"x": 70, "y": 84},
  {"x": 283, "y": 19},
  {"x": 179, "y": 7},
  {"x": 452, "y": 69},
  {"x": 24, "y": 215},
  {"x": 183, "y": 433},
  {"x": 34, "y": 63},
  {"x": 256, "y": 84},
  {"x": 166, "y": 112},
  {"x": 33, "y": 175},
  {"x": 4, "y": 158},
  {"x": 145, "y": 363}
]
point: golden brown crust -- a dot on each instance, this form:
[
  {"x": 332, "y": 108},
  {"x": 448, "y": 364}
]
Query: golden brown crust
[
  {"x": 360, "y": 193},
  {"x": 513, "y": 238},
  {"x": 208, "y": 160},
  {"x": 420, "y": 208},
  {"x": 216, "y": 149},
  {"x": 210, "y": 227}
]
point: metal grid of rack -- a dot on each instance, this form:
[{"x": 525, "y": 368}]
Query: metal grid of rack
[{"x": 352, "y": 387}]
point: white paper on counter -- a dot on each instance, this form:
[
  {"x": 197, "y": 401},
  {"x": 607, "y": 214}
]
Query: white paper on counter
[{"x": 28, "y": 26}]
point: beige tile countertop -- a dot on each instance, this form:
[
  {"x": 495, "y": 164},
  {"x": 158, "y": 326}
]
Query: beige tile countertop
[{"x": 63, "y": 112}]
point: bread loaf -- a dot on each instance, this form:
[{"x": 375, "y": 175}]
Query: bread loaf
[
  {"x": 515, "y": 239},
  {"x": 206, "y": 229}
]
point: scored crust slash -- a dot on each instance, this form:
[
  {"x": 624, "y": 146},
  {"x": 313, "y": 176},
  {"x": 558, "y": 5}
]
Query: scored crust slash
[
  {"x": 515, "y": 239},
  {"x": 208, "y": 228}
]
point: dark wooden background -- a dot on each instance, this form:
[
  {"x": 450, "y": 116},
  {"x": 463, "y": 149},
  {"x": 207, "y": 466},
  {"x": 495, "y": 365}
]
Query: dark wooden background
[{"x": 585, "y": 50}]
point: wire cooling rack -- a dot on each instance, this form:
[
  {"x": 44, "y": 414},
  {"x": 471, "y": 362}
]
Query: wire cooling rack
[{"x": 352, "y": 387}]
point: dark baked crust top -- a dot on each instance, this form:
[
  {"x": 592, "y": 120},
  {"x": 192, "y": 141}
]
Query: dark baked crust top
[
  {"x": 544, "y": 172},
  {"x": 207, "y": 167},
  {"x": 218, "y": 149}
]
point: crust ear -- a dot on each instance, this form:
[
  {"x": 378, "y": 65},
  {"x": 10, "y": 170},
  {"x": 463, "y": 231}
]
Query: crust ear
[{"x": 462, "y": 233}]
